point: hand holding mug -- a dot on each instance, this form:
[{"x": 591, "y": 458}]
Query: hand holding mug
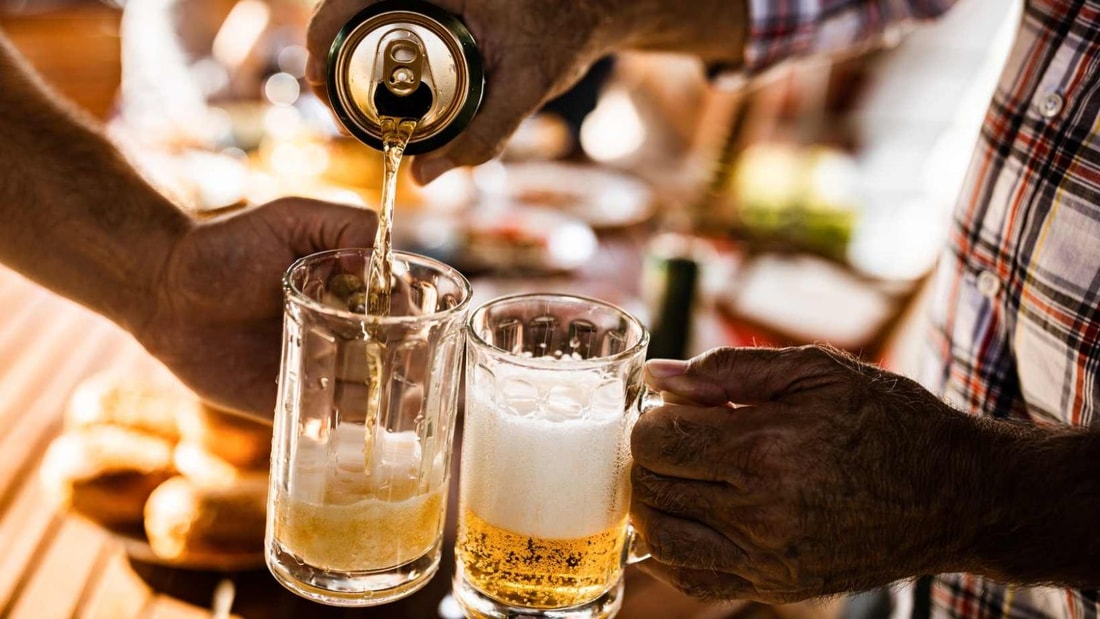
[{"x": 780, "y": 475}]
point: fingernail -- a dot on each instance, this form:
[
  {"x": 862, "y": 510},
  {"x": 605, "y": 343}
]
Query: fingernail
[
  {"x": 665, "y": 368},
  {"x": 431, "y": 169}
]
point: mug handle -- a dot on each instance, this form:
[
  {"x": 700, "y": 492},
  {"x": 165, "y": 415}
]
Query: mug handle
[
  {"x": 648, "y": 400},
  {"x": 636, "y": 549}
]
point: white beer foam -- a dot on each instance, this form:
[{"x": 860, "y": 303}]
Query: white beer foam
[
  {"x": 546, "y": 452},
  {"x": 336, "y": 471}
]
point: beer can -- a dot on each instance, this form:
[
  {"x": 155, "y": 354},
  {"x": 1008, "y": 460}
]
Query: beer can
[{"x": 410, "y": 59}]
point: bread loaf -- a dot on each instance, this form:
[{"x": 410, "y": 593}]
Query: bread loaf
[
  {"x": 143, "y": 403},
  {"x": 106, "y": 473},
  {"x": 189, "y": 523}
]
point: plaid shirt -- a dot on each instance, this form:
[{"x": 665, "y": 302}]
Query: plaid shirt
[{"x": 1017, "y": 301}]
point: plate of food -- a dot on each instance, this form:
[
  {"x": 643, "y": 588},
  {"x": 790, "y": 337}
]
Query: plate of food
[
  {"x": 500, "y": 237},
  {"x": 178, "y": 482},
  {"x": 600, "y": 197}
]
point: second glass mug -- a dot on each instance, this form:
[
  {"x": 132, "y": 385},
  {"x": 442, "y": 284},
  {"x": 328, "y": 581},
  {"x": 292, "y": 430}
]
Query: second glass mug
[
  {"x": 363, "y": 428},
  {"x": 553, "y": 387}
]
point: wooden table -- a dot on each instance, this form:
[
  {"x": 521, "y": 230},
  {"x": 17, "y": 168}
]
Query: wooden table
[
  {"x": 53, "y": 565},
  {"x": 74, "y": 45}
]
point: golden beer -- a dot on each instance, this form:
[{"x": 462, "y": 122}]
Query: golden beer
[
  {"x": 366, "y": 535},
  {"x": 526, "y": 571},
  {"x": 544, "y": 497},
  {"x": 368, "y": 510},
  {"x": 552, "y": 392}
]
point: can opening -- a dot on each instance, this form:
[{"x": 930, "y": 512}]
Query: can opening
[{"x": 407, "y": 59}]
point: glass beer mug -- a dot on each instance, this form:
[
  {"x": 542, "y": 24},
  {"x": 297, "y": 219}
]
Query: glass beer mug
[
  {"x": 363, "y": 428},
  {"x": 553, "y": 387}
]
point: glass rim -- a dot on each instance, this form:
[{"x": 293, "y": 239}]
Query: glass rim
[
  {"x": 293, "y": 294},
  {"x": 545, "y": 362}
]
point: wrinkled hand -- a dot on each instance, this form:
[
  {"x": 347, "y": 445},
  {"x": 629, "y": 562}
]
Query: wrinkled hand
[
  {"x": 533, "y": 50},
  {"x": 826, "y": 475},
  {"x": 217, "y": 315}
]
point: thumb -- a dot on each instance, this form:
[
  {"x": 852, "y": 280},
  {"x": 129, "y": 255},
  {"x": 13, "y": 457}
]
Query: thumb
[
  {"x": 328, "y": 17},
  {"x": 730, "y": 375},
  {"x": 316, "y": 226}
]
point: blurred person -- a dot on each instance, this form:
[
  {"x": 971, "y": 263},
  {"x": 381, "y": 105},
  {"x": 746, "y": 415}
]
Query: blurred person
[
  {"x": 781, "y": 475},
  {"x": 204, "y": 297}
]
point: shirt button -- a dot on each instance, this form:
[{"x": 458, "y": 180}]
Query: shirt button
[
  {"x": 1052, "y": 104},
  {"x": 988, "y": 284}
]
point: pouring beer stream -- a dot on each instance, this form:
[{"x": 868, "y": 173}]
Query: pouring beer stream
[{"x": 359, "y": 475}]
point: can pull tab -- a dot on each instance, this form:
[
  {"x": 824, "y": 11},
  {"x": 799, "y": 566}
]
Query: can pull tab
[{"x": 406, "y": 93}]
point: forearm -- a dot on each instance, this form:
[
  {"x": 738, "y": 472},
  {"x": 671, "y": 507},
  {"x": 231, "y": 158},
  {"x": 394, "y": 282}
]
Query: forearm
[
  {"x": 77, "y": 217},
  {"x": 1042, "y": 507},
  {"x": 712, "y": 30},
  {"x": 1013, "y": 501},
  {"x": 756, "y": 34}
]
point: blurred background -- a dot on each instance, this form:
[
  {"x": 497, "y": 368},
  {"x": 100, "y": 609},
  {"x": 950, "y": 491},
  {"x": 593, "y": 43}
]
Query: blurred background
[{"x": 806, "y": 207}]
